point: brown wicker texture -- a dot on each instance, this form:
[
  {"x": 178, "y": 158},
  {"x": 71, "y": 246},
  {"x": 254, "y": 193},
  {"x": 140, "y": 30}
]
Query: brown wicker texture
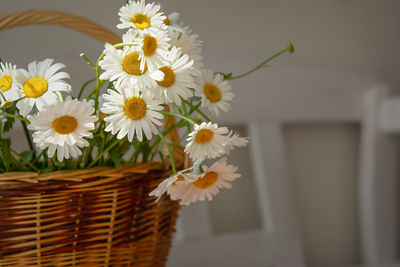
[{"x": 97, "y": 217}]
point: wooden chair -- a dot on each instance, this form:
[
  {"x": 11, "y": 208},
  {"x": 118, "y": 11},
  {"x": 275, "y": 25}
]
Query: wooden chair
[{"x": 283, "y": 95}]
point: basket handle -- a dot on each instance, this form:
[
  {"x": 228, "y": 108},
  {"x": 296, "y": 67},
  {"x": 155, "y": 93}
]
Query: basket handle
[
  {"x": 80, "y": 24},
  {"x": 52, "y": 17}
]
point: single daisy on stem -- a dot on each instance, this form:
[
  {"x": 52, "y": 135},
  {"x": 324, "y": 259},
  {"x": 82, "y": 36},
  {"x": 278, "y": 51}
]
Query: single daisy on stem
[
  {"x": 63, "y": 127},
  {"x": 8, "y": 84},
  {"x": 215, "y": 93},
  {"x": 40, "y": 84},
  {"x": 122, "y": 66},
  {"x": 207, "y": 185},
  {"x": 206, "y": 141},
  {"x": 191, "y": 46},
  {"x": 177, "y": 78},
  {"x": 131, "y": 113},
  {"x": 141, "y": 16},
  {"x": 153, "y": 47}
]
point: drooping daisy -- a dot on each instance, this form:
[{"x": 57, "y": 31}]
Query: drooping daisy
[
  {"x": 215, "y": 93},
  {"x": 165, "y": 185},
  {"x": 141, "y": 16},
  {"x": 177, "y": 79},
  {"x": 190, "y": 46},
  {"x": 131, "y": 112},
  {"x": 40, "y": 84},
  {"x": 62, "y": 127},
  {"x": 206, "y": 140},
  {"x": 232, "y": 140},
  {"x": 123, "y": 67},
  {"x": 217, "y": 176},
  {"x": 8, "y": 83},
  {"x": 153, "y": 48}
]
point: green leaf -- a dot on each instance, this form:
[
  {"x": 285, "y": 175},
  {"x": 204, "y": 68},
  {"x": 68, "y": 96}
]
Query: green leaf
[
  {"x": 195, "y": 98},
  {"x": 9, "y": 121},
  {"x": 116, "y": 158},
  {"x": 28, "y": 155},
  {"x": 5, "y": 152},
  {"x": 48, "y": 169},
  {"x": 70, "y": 164}
]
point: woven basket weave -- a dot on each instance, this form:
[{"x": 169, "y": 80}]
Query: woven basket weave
[{"x": 97, "y": 217}]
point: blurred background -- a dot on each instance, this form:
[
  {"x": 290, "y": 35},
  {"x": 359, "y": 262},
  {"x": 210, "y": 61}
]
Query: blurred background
[{"x": 319, "y": 180}]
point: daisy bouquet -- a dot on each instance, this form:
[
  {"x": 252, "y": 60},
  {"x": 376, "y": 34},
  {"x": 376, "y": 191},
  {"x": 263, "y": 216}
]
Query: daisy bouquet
[{"x": 144, "y": 88}]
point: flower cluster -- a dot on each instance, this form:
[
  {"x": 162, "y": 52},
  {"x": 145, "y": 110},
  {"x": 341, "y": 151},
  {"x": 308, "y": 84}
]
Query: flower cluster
[{"x": 154, "y": 77}]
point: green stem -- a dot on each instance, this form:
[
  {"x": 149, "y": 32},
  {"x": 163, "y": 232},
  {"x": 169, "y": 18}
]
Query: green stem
[
  {"x": 28, "y": 137},
  {"x": 14, "y": 116},
  {"x": 84, "y": 86},
  {"x": 103, "y": 152},
  {"x": 100, "y": 83},
  {"x": 24, "y": 160},
  {"x": 171, "y": 156},
  {"x": 289, "y": 48},
  {"x": 178, "y": 115},
  {"x": 197, "y": 109}
]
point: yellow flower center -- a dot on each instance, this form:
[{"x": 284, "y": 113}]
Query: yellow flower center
[
  {"x": 169, "y": 77},
  {"x": 166, "y": 21},
  {"x": 212, "y": 92},
  {"x": 135, "y": 108},
  {"x": 131, "y": 64},
  {"x": 5, "y": 83},
  {"x": 204, "y": 136},
  {"x": 149, "y": 45},
  {"x": 64, "y": 124},
  {"x": 180, "y": 178},
  {"x": 141, "y": 21},
  {"x": 35, "y": 87},
  {"x": 206, "y": 181}
]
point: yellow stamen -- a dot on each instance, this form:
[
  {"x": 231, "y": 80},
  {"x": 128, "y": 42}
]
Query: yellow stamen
[
  {"x": 167, "y": 22},
  {"x": 141, "y": 21},
  {"x": 131, "y": 64},
  {"x": 64, "y": 124},
  {"x": 135, "y": 108},
  {"x": 204, "y": 136},
  {"x": 6, "y": 83},
  {"x": 35, "y": 87},
  {"x": 212, "y": 93},
  {"x": 206, "y": 181},
  {"x": 180, "y": 178},
  {"x": 149, "y": 45},
  {"x": 169, "y": 77}
]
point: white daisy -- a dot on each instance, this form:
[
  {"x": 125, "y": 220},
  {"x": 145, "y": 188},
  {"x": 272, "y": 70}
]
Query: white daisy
[
  {"x": 217, "y": 176},
  {"x": 206, "y": 140},
  {"x": 141, "y": 16},
  {"x": 177, "y": 79},
  {"x": 190, "y": 46},
  {"x": 153, "y": 49},
  {"x": 39, "y": 85},
  {"x": 8, "y": 84},
  {"x": 62, "y": 127},
  {"x": 215, "y": 93},
  {"x": 165, "y": 185},
  {"x": 131, "y": 112},
  {"x": 123, "y": 67},
  {"x": 174, "y": 23},
  {"x": 233, "y": 140}
]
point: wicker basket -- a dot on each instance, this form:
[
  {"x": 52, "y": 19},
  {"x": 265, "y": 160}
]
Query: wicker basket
[{"x": 97, "y": 217}]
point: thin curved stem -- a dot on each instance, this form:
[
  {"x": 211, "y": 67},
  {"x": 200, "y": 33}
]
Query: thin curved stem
[
  {"x": 171, "y": 156},
  {"x": 289, "y": 48},
  {"x": 24, "y": 160},
  {"x": 84, "y": 86},
  {"x": 178, "y": 115},
  {"x": 15, "y": 117},
  {"x": 197, "y": 109},
  {"x": 103, "y": 152},
  {"x": 28, "y": 137}
]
